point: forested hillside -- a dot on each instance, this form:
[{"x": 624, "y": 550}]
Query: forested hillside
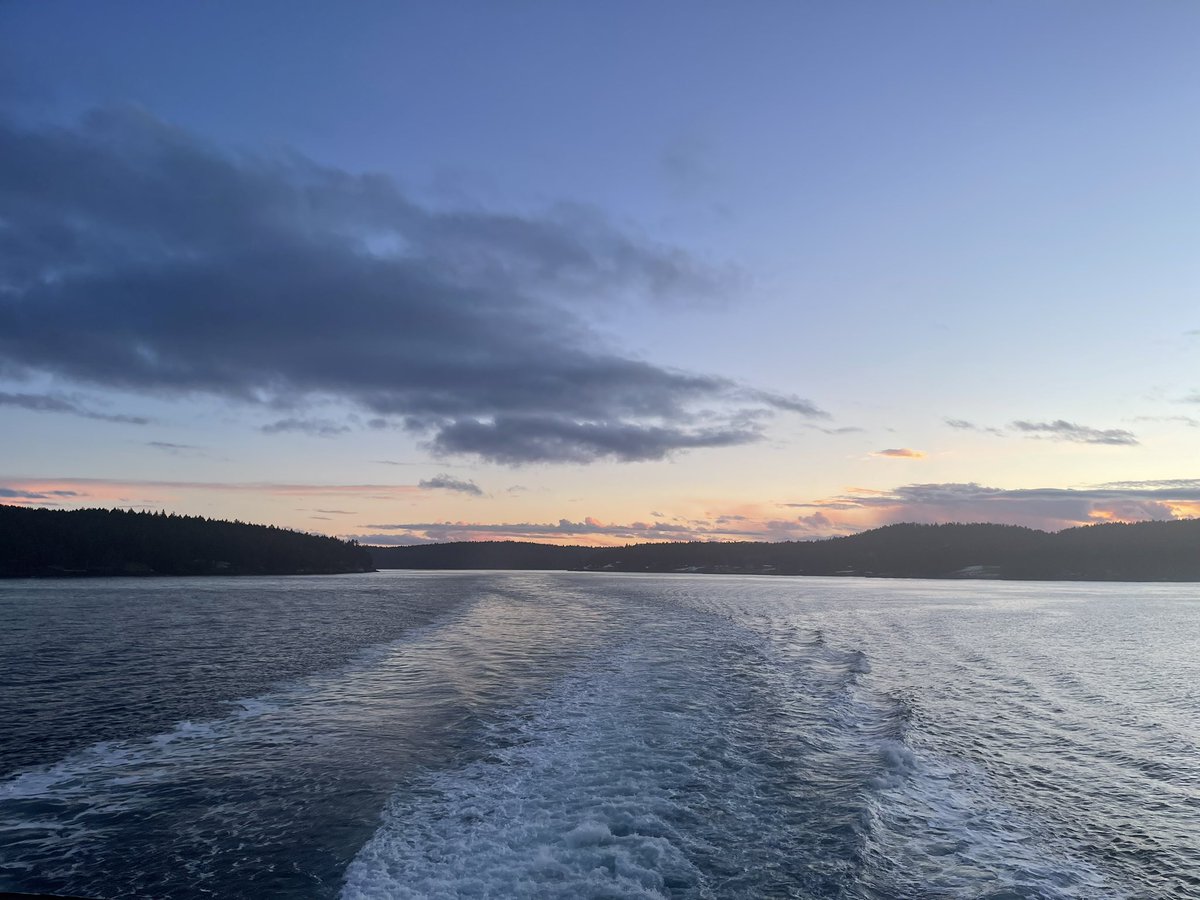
[
  {"x": 44, "y": 542},
  {"x": 1143, "y": 551}
]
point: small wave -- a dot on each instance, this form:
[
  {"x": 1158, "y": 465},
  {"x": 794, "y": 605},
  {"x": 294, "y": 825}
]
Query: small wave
[
  {"x": 106, "y": 760},
  {"x": 899, "y": 763},
  {"x": 937, "y": 828},
  {"x": 254, "y": 706},
  {"x": 859, "y": 664}
]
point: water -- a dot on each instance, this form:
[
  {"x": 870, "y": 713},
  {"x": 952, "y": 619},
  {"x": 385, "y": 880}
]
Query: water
[{"x": 585, "y": 735}]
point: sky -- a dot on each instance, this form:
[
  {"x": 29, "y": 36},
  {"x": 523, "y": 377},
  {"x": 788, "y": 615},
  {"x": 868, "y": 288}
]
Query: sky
[{"x": 602, "y": 272}]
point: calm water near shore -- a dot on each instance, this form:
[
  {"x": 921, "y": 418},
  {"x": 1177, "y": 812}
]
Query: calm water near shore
[{"x": 496, "y": 734}]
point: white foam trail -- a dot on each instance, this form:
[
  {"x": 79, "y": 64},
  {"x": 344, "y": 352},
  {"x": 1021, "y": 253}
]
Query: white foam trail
[
  {"x": 674, "y": 770},
  {"x": 121, "y": 763},
  {"x": 224, "y": 792},
  {"x": 568, "y": 809}
]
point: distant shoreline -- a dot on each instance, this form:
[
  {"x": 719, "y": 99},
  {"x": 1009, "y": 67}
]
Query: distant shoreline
[
  {"x": 95, "y": 543},
  {"x": 1144, "y": 552}
]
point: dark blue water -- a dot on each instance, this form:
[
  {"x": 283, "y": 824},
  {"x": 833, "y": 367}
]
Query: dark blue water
[{"x": 553, "y": 735}]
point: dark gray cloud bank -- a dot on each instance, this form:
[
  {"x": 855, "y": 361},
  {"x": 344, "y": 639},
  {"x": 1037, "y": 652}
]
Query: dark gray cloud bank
[{"x": 135, "y": 256}]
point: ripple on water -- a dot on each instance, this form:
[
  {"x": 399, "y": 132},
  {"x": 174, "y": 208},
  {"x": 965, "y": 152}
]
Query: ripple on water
[{"x": 572, "y": 735}]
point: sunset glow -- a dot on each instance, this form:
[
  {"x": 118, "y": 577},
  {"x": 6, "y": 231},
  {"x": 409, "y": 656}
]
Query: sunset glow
[{"x": 754, "y": 298}]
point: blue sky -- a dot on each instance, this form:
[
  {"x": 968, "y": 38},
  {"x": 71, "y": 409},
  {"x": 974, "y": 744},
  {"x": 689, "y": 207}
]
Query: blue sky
[{"x": 618, "y": 270}]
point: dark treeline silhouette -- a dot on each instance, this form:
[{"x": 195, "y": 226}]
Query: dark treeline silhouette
[
  {"x": 1143, "y": 551},
  {"x": 44, "y": 542},
  {"x": 483, "y": 555}
]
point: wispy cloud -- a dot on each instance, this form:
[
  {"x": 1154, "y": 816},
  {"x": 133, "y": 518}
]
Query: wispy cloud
[
  {"x": 177, "y": 449},
  {"x": 1159, "y": 486},
  {"x": 313, "y": 427},
  {"x": 101, "y": 489},
  {"x": 844, "y": 429},
  {"x": 139, "y": 257},
  {"x": 900, "y": 453},
  {"x": 67, "y": 404},
  {"x": 1057, "y": 430},
  {"x": 446, "y": 483},
  {"x": 403, "y": 462},
  {"x": 18, "y": 495},
  {"x": 1062, "y": 430},
  {"x": 1182, "y": 420},
  {"x": 964, "y": 425}
]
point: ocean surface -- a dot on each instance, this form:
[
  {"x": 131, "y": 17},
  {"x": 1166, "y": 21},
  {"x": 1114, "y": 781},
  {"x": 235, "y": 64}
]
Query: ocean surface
[{"x": 499, "y": 734}]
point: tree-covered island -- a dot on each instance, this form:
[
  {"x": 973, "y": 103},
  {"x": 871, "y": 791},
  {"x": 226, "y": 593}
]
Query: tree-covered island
[
  {"x": 96, "y": 542},
  {"x": 91, "y": 542},
  {"x": 1142, "y": 551}
]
